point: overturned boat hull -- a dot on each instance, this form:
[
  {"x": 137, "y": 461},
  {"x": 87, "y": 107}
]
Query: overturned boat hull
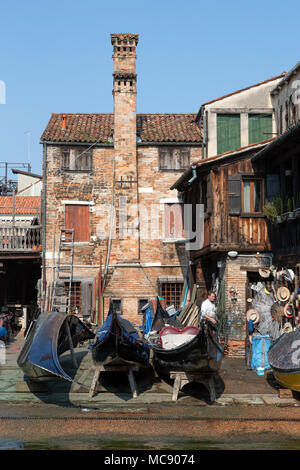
[
  {"x": 46, "y": 340},
  {"x": 118, "y": 344},
  {"x": 284, "y": 359}
]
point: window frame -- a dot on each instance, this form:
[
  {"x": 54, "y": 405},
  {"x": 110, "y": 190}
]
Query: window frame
[
  {"x": 171, "y": 149},
  {"x": 119, "y": 299},
  {"x": 167, "y": 233},
  {"x": 146, "y": 299},
  {"x": 251, "y": 116},
  {"x": 88, "y": 237},
  {"x": 66, "y": 156},
  {"x": 220, "y": 142},
  {"x": 252, "y": 202},
  {"x": 162, "y": 292}
]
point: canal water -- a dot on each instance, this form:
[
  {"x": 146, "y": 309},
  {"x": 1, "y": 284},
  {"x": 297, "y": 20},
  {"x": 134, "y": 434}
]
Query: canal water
[{"x": 91, "y": 443}]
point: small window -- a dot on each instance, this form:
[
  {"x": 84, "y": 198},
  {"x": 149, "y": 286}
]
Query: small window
[
  {"x": 117, "y": 306},
  {"x": 77, "y": 160},
  {"x": 75, "y": 303},
  {"x": 173, "y": 158},
  {"x": 252, "y": 196},
  {"x": 141, "y": 304},
  {"x": 172, "y": 291}
]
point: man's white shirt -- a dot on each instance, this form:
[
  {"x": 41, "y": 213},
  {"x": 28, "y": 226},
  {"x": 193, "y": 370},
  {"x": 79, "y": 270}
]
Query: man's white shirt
[{"x": 208, "y": 308}]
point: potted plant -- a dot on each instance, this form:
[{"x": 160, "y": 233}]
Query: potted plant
[
  {"x": 273, "y": 210},
  {"x": 290, "y": 208}
]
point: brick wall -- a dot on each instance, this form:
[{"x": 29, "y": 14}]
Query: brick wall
[{"x": 143, "y": 258}]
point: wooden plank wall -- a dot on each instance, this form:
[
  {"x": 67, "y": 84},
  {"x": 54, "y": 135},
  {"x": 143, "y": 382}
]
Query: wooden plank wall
[{"x": 234, "y": 230}]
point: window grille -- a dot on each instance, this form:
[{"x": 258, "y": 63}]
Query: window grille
[
  {"x": 172, "y": 291},
  {"x": 75, "y": 301}
]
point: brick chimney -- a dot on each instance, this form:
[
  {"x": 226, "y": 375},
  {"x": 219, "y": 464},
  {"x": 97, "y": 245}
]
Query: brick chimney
[{"x": 124, "y": 92}]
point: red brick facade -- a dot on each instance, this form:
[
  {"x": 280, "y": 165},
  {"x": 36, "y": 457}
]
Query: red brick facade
[{"x": 124, "y": 169}]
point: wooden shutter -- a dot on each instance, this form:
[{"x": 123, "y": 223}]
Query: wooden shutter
[
  {"x": 77, "y": 217},
  {"x": 173, "y": 223},
  {"x": 184, "y": 158},
  {"x": 209, "y": 195},
  {"x": 164, "y": 158},
  {"x": 260, "y": 127},
  {"x": 234, "y": 194},
  {"x": 228, "y": 132}
]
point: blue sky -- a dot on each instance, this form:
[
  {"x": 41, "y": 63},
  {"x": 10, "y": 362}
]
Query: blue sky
[{"x": 56, "y": 56}]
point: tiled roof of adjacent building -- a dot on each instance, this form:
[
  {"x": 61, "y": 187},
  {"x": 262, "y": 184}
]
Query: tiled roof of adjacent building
[
  {"x": 26, "y": 205},
  {"x": 99, "y": 127}
]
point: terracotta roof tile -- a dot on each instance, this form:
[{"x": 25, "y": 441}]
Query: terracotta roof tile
[
  {"x": 96, "y": 127},
  {"x": 26, "y": 205}
]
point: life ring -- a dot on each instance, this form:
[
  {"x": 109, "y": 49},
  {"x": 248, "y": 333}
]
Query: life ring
[{"x": 288, "y": 312}]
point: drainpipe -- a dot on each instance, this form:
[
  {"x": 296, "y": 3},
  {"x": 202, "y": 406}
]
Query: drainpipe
[
  {"x": 44, "y": 219},
  {"x": 190, "y": 181}
]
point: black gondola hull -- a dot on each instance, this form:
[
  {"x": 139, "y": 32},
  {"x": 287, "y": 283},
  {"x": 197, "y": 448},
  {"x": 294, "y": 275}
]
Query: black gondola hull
[
  {"x": 202, "y": 354},
  {"x": 47, "y": 339},
  {"x": 119, "y": 346}
]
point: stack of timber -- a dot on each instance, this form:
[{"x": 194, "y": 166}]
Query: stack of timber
[{"x": 189, "y": 315}]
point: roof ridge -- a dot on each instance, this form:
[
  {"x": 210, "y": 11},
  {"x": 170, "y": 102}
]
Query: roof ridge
[
  {"x": 244, "y": 89},
  {"x": 111, "y": 114}
]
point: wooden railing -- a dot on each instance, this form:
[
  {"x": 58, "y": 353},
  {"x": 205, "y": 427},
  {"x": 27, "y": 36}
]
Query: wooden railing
[
  {"x": 24, "y": 238},
  {"x": 285, "y": 237}
]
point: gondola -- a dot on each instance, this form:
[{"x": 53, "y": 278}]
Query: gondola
[
  {"x": 46, "y": 339},
  {"x": 284, "y": 359},
  {"x": 200, "y": 352},
  {"x": 118, "y": 343}
]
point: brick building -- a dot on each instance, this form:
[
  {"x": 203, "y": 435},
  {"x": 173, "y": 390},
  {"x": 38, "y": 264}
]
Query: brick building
[{"x": 108, "y": 176}]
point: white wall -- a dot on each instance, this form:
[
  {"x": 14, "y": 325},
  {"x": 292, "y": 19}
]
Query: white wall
[
  {"x": 256, "y": 100},
  {"x": 285, "y": 96},
  {"x": 29, "y": 185}
]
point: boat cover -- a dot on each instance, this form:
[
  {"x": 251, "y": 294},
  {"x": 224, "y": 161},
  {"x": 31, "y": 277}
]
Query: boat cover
[
  {"x": 128, "y": 332},
  {"x": 284, "y": 353},
  {"x": 47, "y": 339}
]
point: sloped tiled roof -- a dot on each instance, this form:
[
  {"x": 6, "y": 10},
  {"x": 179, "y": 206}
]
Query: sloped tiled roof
[
  {"x": 25, "y": 205},
  {"x": 96, "y": 127}
]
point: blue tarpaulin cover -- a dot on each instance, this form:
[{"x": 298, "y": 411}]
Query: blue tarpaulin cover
[{"x": 260, "y": 348}]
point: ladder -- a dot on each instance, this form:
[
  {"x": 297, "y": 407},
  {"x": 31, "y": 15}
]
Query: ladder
[{"x": 63, "y": 273}]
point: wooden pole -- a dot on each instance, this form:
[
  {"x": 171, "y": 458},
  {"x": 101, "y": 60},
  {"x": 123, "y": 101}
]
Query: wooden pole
[{"x": 100, "y": 290}]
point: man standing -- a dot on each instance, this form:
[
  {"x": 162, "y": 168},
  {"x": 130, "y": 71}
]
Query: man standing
[{"x": 208, "y": 308}]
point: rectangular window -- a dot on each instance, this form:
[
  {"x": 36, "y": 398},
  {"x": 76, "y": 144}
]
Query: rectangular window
[
  {"x": 252, "y": 196},
  {"x": 228, "y": 132},
  {"x": 173, "y": 221},
  {"x": 171, "y": 291},
  {"x": 75, "y": 300},
  {"x": 117, "y": 306},
  {"x": 77, "y": 160},
  {"x": 260, "y": 127},
  {"x": 78, "y": 218},
  {"x": 173, "y": 158}
]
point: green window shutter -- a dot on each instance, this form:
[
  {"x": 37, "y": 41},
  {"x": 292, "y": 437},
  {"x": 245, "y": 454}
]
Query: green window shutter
[
  {"x": 228, "y": 132},
  {"x": 260, "y": 127}
]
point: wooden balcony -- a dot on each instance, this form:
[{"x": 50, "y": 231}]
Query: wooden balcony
[
  {"x": 20, "y": 238},
  {"x": 285, "y": 238}
]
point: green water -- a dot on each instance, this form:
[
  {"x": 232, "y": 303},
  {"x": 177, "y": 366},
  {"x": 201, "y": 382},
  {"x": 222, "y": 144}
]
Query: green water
[{"x": 96, "y": 444}]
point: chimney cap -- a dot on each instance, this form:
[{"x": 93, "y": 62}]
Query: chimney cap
[{"x": 120, "y": 37}]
